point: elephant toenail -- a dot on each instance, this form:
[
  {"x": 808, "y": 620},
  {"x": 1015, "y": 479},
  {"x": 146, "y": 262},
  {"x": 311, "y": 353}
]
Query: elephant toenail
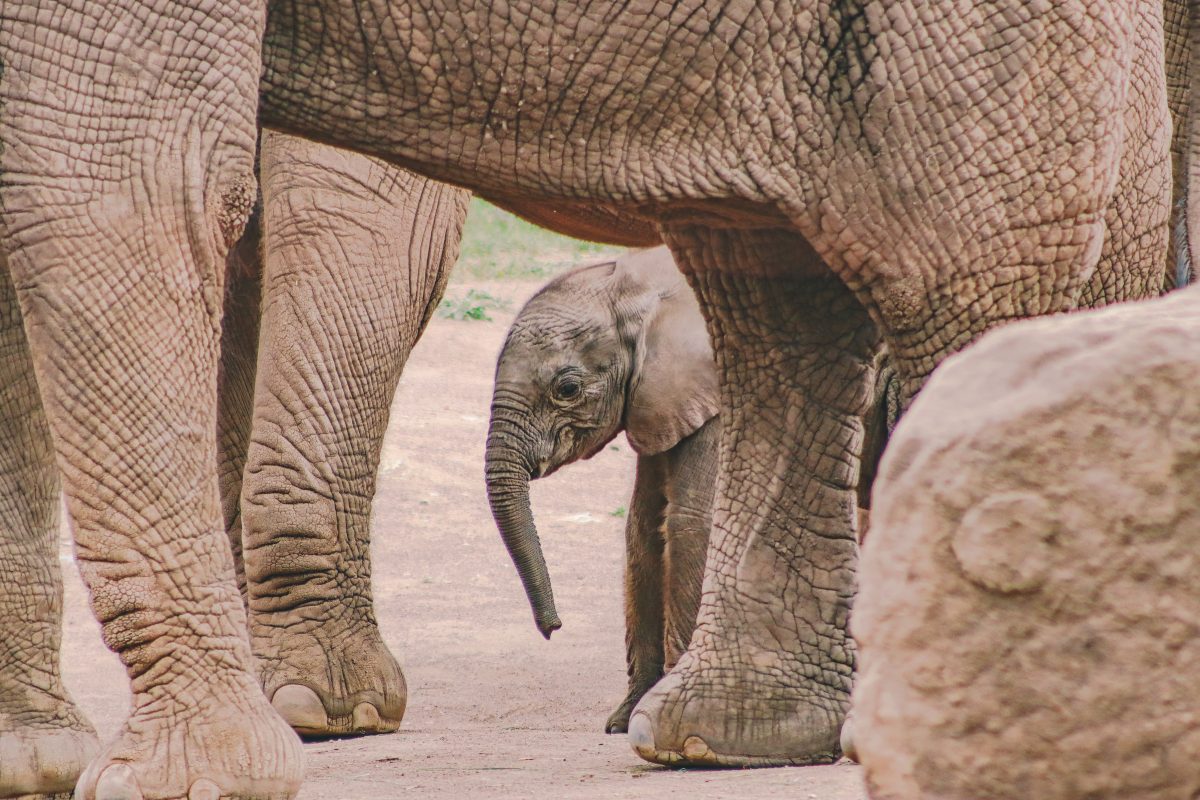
[
  {"x": 641, "y": 736},
  {"x": 118, "y": 782},
  {"x": 300, "y": 707},
  {"x": 695, "y": 748},
  {"x": 365, "y": 717},
  {"x": 204, "y": 789}
]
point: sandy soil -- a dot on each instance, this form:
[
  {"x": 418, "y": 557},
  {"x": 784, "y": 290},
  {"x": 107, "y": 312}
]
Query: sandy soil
[{"x": 494, "y": 710}]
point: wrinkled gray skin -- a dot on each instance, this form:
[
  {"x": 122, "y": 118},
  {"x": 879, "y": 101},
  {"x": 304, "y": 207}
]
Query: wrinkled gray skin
[
  {"x": 303, "y": 405},
  {"x": 828, "y": 174},
  {"x": 611, "y": 347},
  {"x": 322, "y": 310}
]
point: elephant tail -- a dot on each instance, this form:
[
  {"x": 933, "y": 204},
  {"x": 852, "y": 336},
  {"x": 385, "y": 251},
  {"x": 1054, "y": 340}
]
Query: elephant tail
[{"x": 1183, "y": 261}]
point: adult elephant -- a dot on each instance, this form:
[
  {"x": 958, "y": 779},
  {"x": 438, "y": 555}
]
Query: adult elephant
[
  {"x": 325, "y": 300},
  {"x": 827, "y": 174},
  {"x": 869, "y": 186}
]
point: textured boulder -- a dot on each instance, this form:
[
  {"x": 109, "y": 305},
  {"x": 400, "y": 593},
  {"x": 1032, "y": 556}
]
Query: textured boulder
[{"x": 1029, "y": 611}]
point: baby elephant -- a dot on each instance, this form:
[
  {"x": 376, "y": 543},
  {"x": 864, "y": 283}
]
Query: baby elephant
[{"x": 605, "y": 348}]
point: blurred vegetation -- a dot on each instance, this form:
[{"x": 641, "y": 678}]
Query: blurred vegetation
[
  {"x": 473, "y": 305},
  {"x": 499, "y": 246}
]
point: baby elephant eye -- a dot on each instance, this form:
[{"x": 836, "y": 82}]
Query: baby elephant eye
[{"x": 568, "y": 389}]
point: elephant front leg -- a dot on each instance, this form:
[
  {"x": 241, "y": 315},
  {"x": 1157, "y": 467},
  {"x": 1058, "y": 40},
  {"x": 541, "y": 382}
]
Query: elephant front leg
[
  {"x": 356, "y": 257},
  {"x": 45, "y": 741},
  {"x": 643, "y": 588},
  {"x": 127, "y": 170},
  {"x": 691, "y": 481},
  {"x": 766, "y": 678}
]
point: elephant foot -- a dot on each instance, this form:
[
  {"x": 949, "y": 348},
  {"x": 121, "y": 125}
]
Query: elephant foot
[
  {"x": 42, "y": 754},
  {"x": 618, "y": 720},
  {"x": 350, "y": 687},
  {"x": 744, "y": 717},
  {"x": 216, "y": 747}
]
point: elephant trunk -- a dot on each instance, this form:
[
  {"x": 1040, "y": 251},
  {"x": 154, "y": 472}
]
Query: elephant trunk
[{"x": 508, "y": 473}]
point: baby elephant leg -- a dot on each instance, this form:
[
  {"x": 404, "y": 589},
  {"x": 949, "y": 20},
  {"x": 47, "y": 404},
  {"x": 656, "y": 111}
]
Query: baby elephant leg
[
  {"x": 690, "y": 482},
  {"x": 643, "y": 587},
  {"x": 666, "y": 543}
]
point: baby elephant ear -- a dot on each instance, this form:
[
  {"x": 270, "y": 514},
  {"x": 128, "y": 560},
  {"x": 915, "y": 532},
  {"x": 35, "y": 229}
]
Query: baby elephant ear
[{"x": 673, "y": 390}]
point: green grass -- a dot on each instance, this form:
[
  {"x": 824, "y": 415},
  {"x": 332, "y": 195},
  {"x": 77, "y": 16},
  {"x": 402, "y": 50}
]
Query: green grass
[
  {"x": 473, "y": 305},
  {"x": 499, "y": 246}
]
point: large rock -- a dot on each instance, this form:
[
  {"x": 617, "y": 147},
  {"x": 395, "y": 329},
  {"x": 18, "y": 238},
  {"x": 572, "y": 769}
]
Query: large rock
[{"x": 1029, "y": 611}]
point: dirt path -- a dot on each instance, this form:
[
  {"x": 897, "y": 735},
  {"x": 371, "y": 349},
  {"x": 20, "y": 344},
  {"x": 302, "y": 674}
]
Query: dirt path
[{"x": 494, "y": 710}]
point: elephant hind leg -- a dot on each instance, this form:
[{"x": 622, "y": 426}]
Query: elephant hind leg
[
  {"x": 766, "y": 677},
  {"x": 643, "y": 588},
  {"x": 45, "y": 741},
  {"x": 356, "y": 257}
]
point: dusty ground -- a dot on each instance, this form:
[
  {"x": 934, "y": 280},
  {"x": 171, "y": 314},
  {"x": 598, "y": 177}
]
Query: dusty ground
[{"x": 494, "y": 710}]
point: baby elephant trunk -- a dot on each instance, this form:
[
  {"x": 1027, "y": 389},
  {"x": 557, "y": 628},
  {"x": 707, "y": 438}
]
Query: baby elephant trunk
[{"x": 508, "y": 472}]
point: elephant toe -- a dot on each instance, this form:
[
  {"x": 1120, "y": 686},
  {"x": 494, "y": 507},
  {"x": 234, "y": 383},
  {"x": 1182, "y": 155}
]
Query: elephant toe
[
  {"x": 117, "y": 782},
  {"x": 234, "y": 748},
  {"x": 641, "y": 737},
  {"x": 43, "y": 763},
  {"x": 695, "y": 751},
  {"x": 324, "y": 687},
  {"x": 303, "y": 709},
  {"x": 618, "y": 720}
]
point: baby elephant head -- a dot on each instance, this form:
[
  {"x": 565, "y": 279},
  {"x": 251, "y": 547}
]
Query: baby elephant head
[{"x": 604, "y": 348}]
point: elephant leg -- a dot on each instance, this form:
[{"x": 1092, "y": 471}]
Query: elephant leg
[
  {"x": 1136, "y": 217},
  {"x": 45, "y": 741},
  {"x": 766, "y": 678},
  {"x": 691, "y": 481},
  {"x": 235, "y": 382},
  {"x": 356, "y": 257},
  {"x": 643, "y": 588},
  {"x": 127, "y": 172}
]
